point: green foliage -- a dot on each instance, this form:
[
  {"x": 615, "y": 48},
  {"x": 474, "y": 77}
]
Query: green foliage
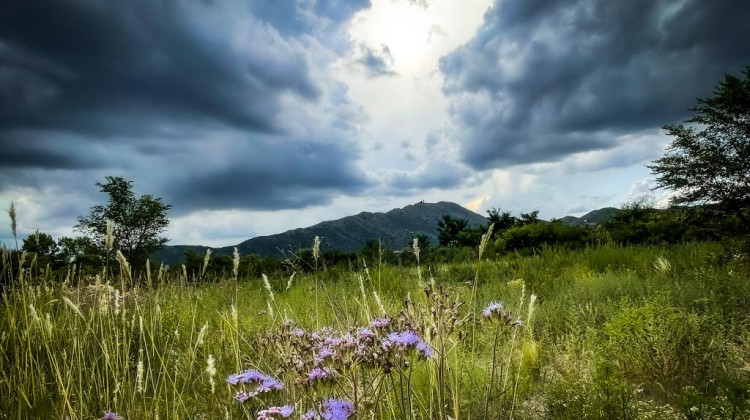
[
  {"x": 43, "y": 246},
  {"x": 619, "y": 332},
  {"x": 449, "y": 228},
  {"x": 138, "y": 222},
  {"x": 537, "y": 235},
  {"x": 709, "y": 163},
  {"x": 80, "y": 251},
  {"x": 501, "y": 219}
]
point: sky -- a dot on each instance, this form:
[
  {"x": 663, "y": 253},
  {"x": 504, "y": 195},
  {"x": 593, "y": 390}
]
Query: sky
[{"x": 258, "y": 116}]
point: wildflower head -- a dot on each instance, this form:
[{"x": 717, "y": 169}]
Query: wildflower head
[
  {"x": 424, "y": 350},
  {"x": 380, "y": 323},
  {"x": 333, "y": 409},
  {"x": 319, "y": 374},
  {"x": 263, "y": 383},
  {"x": 403, "y": 339},
  {"x": 407, "y": 340},
  {"x": 492, "y": 308},
  {"x": 111, "y": 415},
  {"x": 276, "y": 412},
  {"x": 496, "y": 312}
]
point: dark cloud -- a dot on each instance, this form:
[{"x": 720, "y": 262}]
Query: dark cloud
[
  {"x": 97, "y": 69},
  {"x": 542, "y": 79},
  {"x": 273, "y": 176},
  {"x": 323, "y": 18},
  {"x": 433, "y": 174},
  {"x": 209, "y": 104},
  {"x": 376, "y": 63}
]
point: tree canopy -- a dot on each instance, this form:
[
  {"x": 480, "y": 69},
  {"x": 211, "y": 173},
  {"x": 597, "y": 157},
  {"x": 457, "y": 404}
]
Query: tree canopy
[
  {"x": 708, "y": 161},
  {"x": 137, "y": 222}
]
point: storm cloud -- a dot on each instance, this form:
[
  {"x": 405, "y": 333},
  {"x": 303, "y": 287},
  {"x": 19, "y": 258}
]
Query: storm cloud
[
  {"x": 212, "y": 104},
  {"x": 541, "y": 80}
]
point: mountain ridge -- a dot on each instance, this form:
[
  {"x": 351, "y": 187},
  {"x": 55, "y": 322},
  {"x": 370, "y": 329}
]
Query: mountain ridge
[{"x": 395, "y": 228}]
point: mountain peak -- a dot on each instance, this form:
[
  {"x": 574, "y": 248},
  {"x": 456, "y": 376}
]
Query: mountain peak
[{"x": 395, "y": 228}]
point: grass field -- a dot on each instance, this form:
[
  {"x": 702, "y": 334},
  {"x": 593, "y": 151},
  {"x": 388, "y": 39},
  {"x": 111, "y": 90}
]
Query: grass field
[{"x": 608, "y": 332}]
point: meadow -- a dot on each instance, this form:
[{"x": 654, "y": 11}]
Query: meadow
[{"x": 636, "y": 332}]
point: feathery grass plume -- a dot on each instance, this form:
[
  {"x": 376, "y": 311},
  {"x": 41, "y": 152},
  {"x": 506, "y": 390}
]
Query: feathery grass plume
[
  {"x": 485, "y": 240},
  {"x": 117, "y": 302},
  {"x": 34, "y": 316},
  {"x": 184, "y": 277},
  {"x": 124, "y": 265},
  {"x": 662, "y": 265},
  {"x": 148, "y": 273},
  {"x": 364, "y": 296},
  {"x": 13, "y": 224},
  {"x": 109, "y": 240},
  {"x": 22, "y": 260},
  {"x": 205, "y": 262},
  {"x": 532, "y": 301},
  {"x": 139, "y": 373},
  {"x": 270, "y": 308},
  {"x": 267, "y": 285},
  {"x": 379, "y": 302},
  {"x": 316, "y": 250},
  {"x": 415, "y": 248},
  {"x": 211, "y": 371},
  {"x": 160, "y": 276},
  {"x": 48, "y": 323},
  {"x": 235, "y": 264},
  {"x": 72, "y": 306},
  {"x": 289, "y": 283},
  {"x": 201, "y": 335}
]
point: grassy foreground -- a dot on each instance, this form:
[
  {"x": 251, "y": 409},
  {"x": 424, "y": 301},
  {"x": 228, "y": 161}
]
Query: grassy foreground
[{"x": 609, "y": 332}]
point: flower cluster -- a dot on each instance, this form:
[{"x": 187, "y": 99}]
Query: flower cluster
[
  {"x": 495, "y": 311},
  {"x": 331, "y": 409},
  {"x": 325, "y": 357},
  {"x": 274, "y": 412},
  {"x": 406, "y": 340},
  {"x": 263, "y": 383}
]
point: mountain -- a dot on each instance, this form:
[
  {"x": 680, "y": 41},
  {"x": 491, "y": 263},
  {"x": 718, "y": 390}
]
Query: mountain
[
  {"x": 595, "y": 217},
  {"x": 395, "y": 228}
]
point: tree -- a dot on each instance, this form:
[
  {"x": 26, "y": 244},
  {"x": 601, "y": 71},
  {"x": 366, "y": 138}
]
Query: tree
[
  {"x": 449, "y": 229},
  {"x": 78, "y": 251},
  {"x": 137, "y": 222},
  {"x": 43, "y": 246},
  {"x": 708, "y": 162},
  {"x": 501, "y": 219},
  {"x": 529, "y": 218}
]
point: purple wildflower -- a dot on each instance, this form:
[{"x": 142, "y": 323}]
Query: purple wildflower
[
  {"x": 298, "y": 332},
  {"x": 425, "y": 351},
  {"x": 325, "y": 352},
  {"x": 270, "y": 413},
  {"x": 318, "y": 373},
  {"x": 310, "y": 415},
  {"x": 365, "y": 334},
  {"x": 493, "y": 307},
  {"x": 242, "y": 396},
  {"x": 403, "y": 339},
  {"x": 337, "y": 409},
  {"x": 263, "y": 382},
  {"x": 111, "y": 415},
  {"x": 380, "y": 323},
  {"x": 496, "y": 311},
  {"x": 332, "y": 341}
]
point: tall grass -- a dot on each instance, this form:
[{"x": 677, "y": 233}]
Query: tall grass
[{"x": 636, "y": 332}]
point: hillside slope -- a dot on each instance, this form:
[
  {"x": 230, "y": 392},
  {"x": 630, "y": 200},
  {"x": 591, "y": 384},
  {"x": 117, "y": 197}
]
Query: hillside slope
[{"x": 394, "y": 228}]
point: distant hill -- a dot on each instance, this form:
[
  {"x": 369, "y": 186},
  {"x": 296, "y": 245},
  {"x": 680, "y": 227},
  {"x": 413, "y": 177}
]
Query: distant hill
[
  {"x": 595, "y": 217},
  {"x": 395, "y": 228}
]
